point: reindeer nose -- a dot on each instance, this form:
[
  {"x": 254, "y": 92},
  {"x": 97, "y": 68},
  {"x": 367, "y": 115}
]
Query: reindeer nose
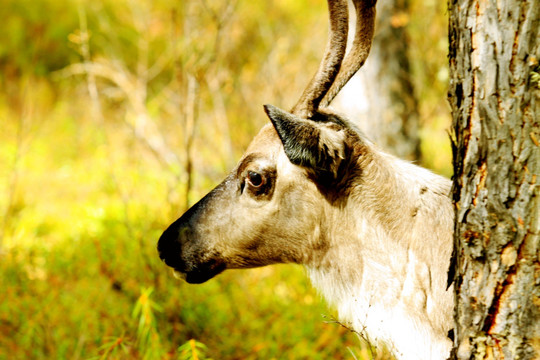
[{"x": 169, "y": 247}]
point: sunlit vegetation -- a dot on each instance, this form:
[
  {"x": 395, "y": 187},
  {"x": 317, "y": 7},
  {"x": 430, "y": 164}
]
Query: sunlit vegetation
[{"x": 117, "y": 115}]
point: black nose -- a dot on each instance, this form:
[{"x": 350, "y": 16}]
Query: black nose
[{"x": 169, "y": 247}]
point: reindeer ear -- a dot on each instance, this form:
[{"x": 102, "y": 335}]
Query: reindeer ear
[{"x": 317, "y": 146}]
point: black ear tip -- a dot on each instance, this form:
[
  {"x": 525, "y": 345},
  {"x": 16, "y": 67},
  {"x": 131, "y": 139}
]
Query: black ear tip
[
  {"x": 277, "y": 114},
  {"x": 270, "y": 109},
  {"x": 274, "y": 113}
]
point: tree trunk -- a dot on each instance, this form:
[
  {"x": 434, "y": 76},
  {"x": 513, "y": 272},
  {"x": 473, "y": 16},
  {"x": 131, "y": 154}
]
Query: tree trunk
[
  {"x": 380, "y": 97},
  {"x": 494, "y": 96}
]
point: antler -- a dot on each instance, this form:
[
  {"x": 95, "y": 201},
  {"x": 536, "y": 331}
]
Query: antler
[
  {"x": 329, "y": 79},
  {"x": 331, "y": 62},
  {"x": 365, "y": 26}
]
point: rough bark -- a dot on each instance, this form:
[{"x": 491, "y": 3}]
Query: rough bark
[
  {"x": 380, "y": 97},
  {"x": 494, "y": 96}
]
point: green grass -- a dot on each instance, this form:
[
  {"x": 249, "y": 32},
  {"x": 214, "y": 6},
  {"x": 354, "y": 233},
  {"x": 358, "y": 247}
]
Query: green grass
[{"x": 63, "y": 303}]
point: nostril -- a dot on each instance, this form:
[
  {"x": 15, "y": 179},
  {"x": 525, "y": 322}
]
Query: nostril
[
  {"x": 168, "y": 242},
  {"x": 169, "y": 247}
]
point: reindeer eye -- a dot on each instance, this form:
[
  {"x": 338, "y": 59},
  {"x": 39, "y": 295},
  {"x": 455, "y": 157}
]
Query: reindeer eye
[{"x": 255, "y": 179}]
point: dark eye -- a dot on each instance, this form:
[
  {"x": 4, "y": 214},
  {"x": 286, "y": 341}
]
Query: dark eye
[{"x": 255, "y": 179}]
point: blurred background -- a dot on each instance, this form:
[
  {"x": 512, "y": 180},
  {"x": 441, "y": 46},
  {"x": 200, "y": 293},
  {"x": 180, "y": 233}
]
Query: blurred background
[{"x": 115, "y": 116}]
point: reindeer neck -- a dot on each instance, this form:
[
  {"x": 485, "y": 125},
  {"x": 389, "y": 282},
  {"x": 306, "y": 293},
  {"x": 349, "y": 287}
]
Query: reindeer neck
[{"x": 385, "y": 268}]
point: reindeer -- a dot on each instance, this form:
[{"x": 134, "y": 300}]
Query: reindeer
[{"x": 373, "y": 231}]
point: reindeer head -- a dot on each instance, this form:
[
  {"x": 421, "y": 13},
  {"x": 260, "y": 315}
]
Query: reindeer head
[{"x": 272, "y": 206}]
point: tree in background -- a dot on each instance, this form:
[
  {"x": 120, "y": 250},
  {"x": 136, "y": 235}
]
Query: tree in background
[
  {"x": 494, "y": 93},
  {"x": 381, "y": 96}
]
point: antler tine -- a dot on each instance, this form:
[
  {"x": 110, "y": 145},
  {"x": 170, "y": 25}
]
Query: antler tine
[
  {"x": 331, "y": 62},
  {"x": 365, "y": 25}
]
